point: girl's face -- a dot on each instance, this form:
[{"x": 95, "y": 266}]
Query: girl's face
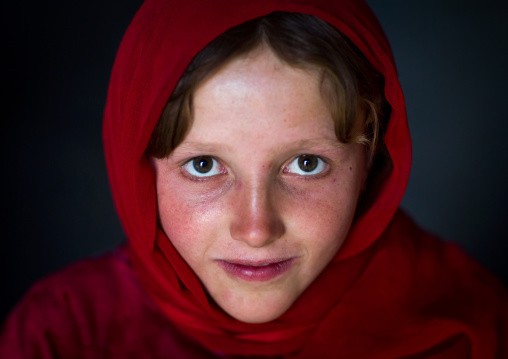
[{"x": 260, "y": 195}]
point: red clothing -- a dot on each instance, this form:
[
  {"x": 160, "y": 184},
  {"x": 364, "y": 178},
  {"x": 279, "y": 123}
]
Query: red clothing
[
  {"x": 98, "y": 309},
  {"x": 391, "y": 291},
  {"x": 93, "y": 309}
]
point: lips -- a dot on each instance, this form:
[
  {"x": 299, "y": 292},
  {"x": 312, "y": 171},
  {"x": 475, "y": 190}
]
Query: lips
[{"x": 256, "y": 271}]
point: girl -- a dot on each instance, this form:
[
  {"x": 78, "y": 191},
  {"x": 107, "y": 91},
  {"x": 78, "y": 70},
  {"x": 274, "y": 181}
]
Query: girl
[{"x": 257, "y": 153}]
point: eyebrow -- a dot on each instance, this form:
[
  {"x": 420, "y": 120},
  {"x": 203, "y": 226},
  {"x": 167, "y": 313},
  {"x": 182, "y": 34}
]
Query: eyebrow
[
  {"x": 318, "y": 142},
  {"x": 202, "y": 147},
  {"x": 328, "y": 144}
]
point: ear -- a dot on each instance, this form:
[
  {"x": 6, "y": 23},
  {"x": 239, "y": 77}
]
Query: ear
[{"x": 363, "y": 118}]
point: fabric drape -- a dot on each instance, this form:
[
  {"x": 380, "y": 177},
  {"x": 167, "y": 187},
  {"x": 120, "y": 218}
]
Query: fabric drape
[
  {"x": 391, "y": 291},
  {"x": 387, "y": 313}
]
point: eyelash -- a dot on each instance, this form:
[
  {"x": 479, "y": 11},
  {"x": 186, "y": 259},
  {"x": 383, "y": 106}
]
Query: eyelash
[
  {"x": 189, "y": 167},
  {"x": 321, "y": 166}
]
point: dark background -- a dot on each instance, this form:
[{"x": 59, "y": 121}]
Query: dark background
[{"x": 57, "y": 56}]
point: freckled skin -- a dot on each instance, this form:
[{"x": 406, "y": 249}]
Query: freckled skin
[{"x": 255, "y": 116}]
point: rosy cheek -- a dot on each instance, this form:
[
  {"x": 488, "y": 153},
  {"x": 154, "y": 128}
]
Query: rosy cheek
[
  {"x": 324, "y": 206},
  {"x": 186, "y": 212}
]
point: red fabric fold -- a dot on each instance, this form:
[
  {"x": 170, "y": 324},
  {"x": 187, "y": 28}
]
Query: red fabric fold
[
  {"x": 158, "y": 45},
  {"x": 391, "y": 291}
]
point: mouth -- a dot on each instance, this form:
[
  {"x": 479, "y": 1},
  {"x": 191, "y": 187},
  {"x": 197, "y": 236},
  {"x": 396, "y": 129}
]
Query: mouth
[{"x": 256, "y": 271}]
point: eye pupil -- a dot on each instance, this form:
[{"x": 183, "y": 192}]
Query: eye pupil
[
  {"x": 307, "y": 163},
  {"x": 202, "y": 164}
]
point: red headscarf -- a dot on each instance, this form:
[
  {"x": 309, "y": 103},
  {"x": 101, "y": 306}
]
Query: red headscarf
[{"x": 391, "y": 289}]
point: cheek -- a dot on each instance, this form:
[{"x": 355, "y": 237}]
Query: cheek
[
  {"x": 190, "y": 220},
  {"x": 321, "y": 214}
]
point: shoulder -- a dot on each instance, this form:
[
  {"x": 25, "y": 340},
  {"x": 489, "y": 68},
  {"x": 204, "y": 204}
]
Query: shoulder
[
  {"x": 437, "y": 281},
  {"x": 93, "y": 308},
  {"x": 56, "y": 311},
  {"x": 433, "y": 260},
  {"x": 86, "y": 287},
  {"x": 433, "y": 256}
]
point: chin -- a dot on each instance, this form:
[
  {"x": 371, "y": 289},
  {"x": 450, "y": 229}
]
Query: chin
[
  {"x": 256, "y": 317},
  {"x": 255, "y": 309}
]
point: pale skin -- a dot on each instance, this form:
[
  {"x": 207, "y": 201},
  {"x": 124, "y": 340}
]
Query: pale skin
[{"x": 254, "y": 119}]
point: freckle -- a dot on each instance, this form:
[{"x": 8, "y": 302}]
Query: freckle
[{"x": 350, "y": 168}]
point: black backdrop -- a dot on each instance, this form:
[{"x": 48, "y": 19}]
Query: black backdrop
[{"x": 56, "y": 207}]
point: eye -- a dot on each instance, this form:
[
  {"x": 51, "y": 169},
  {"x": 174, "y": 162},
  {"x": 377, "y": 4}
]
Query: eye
[
  {"x": 306, "y": 165},
  {"x": 203, "y": 166}
]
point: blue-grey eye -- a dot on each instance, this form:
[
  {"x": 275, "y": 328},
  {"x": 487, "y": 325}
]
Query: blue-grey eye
[
  {"x": 306, "y": 165},
  {"x": 203, "y": 166}
]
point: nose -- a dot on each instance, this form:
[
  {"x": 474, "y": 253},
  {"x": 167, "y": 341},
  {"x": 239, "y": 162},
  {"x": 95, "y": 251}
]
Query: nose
[{"x": 256, "y": 219}]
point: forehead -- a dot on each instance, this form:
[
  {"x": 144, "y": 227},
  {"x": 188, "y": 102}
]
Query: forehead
[
  {"x": 260, "y": 98},
  {"x": 261, "y": 58}
]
